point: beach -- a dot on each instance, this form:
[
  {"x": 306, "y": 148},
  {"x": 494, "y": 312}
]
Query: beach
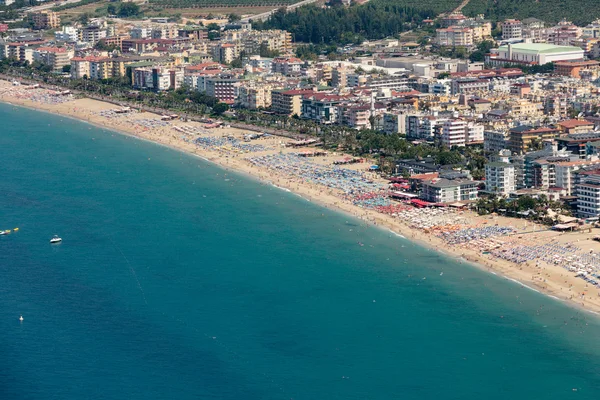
[{"x": 517, "y": 249}]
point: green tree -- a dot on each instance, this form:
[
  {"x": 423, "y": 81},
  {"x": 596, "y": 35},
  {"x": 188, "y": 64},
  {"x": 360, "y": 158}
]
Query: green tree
[
  {"x": 234, "y": 17},
  {"x": 220, "y": 108},
  {"x": 128, "y": 9},
  {"x": 84, "y": 19}
]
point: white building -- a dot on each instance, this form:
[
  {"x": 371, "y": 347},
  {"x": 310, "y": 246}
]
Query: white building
[
  {"x": 533, "y": 54},
  {"x": 500, "y": 176},
  {"x": 68, "y": 34},
  {"x": 454, "y": 133},
  {"x": 140, "y": 32},
  {"x": 474, "y": 133},
  {"x": 448, "y": 191},
  {"x": 588, "y": 195},
  {"x": 512, "y": 29}
]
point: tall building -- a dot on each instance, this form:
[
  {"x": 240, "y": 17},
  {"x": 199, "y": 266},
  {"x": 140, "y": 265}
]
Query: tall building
[
  {"x": 500, "y": 175},
  {"x": 454, "y": 133},
  {"x": 588, "y": 194}
]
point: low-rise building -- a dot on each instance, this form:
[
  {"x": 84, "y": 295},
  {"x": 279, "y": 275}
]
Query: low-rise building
[
  {"x": 448, "y": 191},
  {"x": 533, "y": 54}
]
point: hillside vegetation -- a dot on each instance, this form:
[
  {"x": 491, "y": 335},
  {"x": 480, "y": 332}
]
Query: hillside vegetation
[
  {"x": 581, "y": 12},
  {"x": 339, "y": 25},
  {"x": 220, "y": 3}
]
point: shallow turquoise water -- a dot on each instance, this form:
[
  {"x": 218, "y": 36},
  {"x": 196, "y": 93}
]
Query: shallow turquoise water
[{"x": 180, "y": 280}]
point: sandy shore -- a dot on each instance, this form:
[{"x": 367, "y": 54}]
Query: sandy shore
[{"x": 545, "y": 276}]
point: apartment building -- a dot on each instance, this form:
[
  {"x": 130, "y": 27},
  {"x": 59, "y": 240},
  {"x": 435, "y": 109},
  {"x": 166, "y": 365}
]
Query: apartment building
[
  {"x": 226, "y": 52},
  {"x": 588, "y": 194},
  {"x": 288, "y": 102},
  {"x": 255, "y": 95},
  {"x": 592, "y": 30},
  {"x": 68, "y": 34},
  {"x": 394, "y": 123},
  {"x": 355, "y": 116},
  {"x": 455, "y": 36},
  {"x": 222, "y": 88},
  {"x": 289, "y": 66},
  {"x": 494, "y": 141},
  {"x": 448, "y": 191},
  {"x": 469, "y": 86},
  {"x": 193, "y": 32},
  {"x": 54, "y": 57},
  {"x": 534, "y": 30},
  {"x": 523, "y": 107},
  {"x": 45, "y": 20},
  {"x": 521, "y": 138},
  {"x": 512, "y": 29},
  {"x": 563, "y": 34},
  {"x": 500, "y": 175},
  {"x": 92, "y": 34},
  {"x": 339, "y": 77},
  {"x": 454, "y": 133},
  {"x": 322, "y": 107}
]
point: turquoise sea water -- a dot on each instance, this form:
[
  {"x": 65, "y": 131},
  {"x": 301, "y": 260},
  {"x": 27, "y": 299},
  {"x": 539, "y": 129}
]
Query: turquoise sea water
[{"x": 180, "y": 280}]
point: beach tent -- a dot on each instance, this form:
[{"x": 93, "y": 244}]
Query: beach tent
[{"x": 564, "y": 227}]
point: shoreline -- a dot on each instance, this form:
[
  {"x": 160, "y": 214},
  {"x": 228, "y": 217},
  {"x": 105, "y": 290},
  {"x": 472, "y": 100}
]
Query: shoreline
[{"x": 558, "y": 285}]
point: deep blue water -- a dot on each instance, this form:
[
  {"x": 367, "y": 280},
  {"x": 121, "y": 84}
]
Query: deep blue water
[{"x": 180, "y": 280}]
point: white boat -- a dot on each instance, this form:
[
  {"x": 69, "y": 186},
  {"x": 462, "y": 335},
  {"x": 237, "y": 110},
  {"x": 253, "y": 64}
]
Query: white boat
[
  {"x": 55, "y": 239},
  {"x": 4, "y": 232},
  {"x": 21, "y": 318}
]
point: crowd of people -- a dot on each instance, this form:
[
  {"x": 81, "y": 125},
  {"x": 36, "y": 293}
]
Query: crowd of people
[{"x": 350, "y": 182}]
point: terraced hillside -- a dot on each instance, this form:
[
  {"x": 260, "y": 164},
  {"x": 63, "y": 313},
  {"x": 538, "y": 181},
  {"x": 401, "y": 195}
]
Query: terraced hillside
[
  {"x": 580, "y": 12},
  {"x": 438, "y": 6},
  {"x": 221, "y": 3}
]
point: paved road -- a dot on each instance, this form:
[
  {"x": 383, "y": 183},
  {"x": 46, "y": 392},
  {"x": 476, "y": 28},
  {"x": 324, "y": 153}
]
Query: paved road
[
  {"x": 266, "y": 15},
  {"x": 50, "y": 4}
]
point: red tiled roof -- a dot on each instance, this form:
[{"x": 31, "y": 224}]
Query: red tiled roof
[
  {"x": 295, "y": 92},
  {"x": 572, "y": 123}
]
